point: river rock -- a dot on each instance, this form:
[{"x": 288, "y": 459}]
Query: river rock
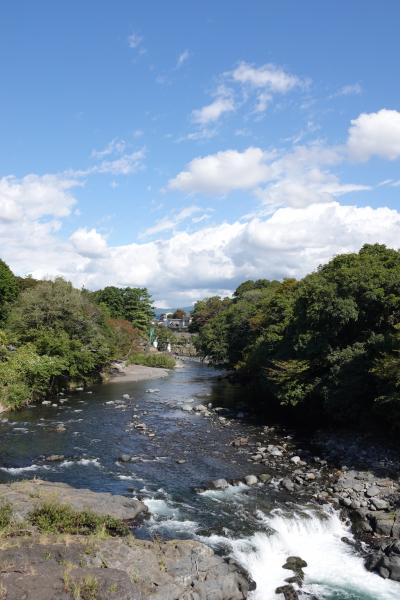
[
  {"x": 25, "y": 495},
  {"x": 251, "y": 480},
  {"x": 126, "y": 396},
  {"x": 295, "y": 459},
  {"x": 241, "y": 441},
  {"x": 55, "y": 457},
  {"x": 385, "y": 561},
  {"x": 372, "y": 491},
  {"x": 288, "y": 591},
  {"x": 218, "y": 484},
  {"x": 187, "y": 408},
  {"x": 124, "y": 457},
  {"x": 287, "y": 484},
  {"x": 117, "y": 569},
  {"x": 380, "y": 504},
  {"x": 264, "y": 477}
]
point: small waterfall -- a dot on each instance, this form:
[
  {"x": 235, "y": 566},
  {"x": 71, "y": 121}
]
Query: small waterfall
[{"x": 334, "y": 572}]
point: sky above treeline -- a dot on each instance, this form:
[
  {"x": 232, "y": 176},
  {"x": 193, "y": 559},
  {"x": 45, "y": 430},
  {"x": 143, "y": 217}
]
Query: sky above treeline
[{"x": 188, "y": 146}]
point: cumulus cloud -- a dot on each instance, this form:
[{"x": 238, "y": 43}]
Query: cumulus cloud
[
  {"x": 290, "y": 243},
  {"x": 223, "y": 172},
  {"x": 89, "y": 242},
  {"x": 295, "y": 178},
  {"x": 223, "y": 103},
  {"x": 36, "y": 196},
  {"x": 375, "y": 134}
]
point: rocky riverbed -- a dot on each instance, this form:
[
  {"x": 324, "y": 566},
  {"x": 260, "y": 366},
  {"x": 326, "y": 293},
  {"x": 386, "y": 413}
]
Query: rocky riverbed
[
  {"x": 49, "y": 566},
  {"x": 295, "y": 511}
]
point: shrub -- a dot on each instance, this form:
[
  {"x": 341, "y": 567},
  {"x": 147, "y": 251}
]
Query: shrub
[
  {"x": 51, "y": 517},
  {"x": 155, "y": 359}
]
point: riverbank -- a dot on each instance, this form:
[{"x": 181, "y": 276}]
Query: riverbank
[
  {"x": 123, "y": 373},
  {"x": 164, "y": 444},
  {"x": 353, "y": 473},
  {"x": 43, "y": 559}
]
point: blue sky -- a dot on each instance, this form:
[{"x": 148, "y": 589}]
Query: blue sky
[{"x": 189, "y": 146}]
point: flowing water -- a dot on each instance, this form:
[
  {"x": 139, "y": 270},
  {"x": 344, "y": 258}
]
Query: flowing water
[{"x": 260, "y": 527}]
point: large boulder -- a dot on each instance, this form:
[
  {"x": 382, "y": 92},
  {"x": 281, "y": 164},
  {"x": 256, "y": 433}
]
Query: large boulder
[{"x": 25, "y": 495}]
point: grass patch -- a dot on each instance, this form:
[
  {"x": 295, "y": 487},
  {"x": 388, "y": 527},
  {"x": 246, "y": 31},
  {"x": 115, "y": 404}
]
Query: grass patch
[
  {"x": 83, "y": 589},
  {"x": 153, "y": 359},
  {"x": 5, "y": 515},
  {"x": 61, "y": 518}
]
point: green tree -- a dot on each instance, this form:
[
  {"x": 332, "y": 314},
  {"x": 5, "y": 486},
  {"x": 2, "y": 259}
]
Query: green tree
[{"x": 8, "y": 289}]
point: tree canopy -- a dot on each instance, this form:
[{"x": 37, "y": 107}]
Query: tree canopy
[{"x": 327, "y": 345}]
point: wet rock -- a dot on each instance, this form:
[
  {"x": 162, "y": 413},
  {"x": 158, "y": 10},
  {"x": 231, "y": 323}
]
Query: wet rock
[
  {"x": 256, "y": 457},
  {"x": 55, "y": 457},
  {"x": 295, "y": 459},
  {"x": 264, "y": 477},
  {"x": 126, "y": 396},
  {"x": 382, "y": 523},
  {"x": 251, "y": 480},
  {"x": 200, "y": 408},
  {"x": 181, "y": 461},
  {"x": 386, "y": 561},
  {"x": 287, "y": 484},
  {"x": 294, "y": 563},
  {"x": 288, "y": 591},
  {"x": 124, "y": 457},
  {"x": 218, "y": 484},
  {"x": 187, "y": 408}
]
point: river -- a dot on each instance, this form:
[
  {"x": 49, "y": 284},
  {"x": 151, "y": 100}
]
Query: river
[{"x": 258, "y": 526}]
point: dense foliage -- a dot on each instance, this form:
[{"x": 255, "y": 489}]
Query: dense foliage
[
  {"x": 53, "y": 334},
  {"x": 132, "y": 304},
  {"x": 328, "y": 345}
]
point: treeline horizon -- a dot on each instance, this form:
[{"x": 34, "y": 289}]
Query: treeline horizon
[{"x": 325, "y": 348}]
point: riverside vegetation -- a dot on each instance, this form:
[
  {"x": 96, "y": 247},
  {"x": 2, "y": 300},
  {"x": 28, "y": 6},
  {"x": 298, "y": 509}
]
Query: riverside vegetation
[
  {"x": 53, "y": 335},
  {"x": 325, "y": 349}
]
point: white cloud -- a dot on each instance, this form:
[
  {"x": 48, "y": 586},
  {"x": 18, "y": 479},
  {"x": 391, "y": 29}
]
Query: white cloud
[
  {"x": 375, "y": 134},
  {"x": 89, "y": 242},
  {"x": 222, "y": 104},
  {"x": 182, "y": 58},
  {"x": 296, "y": 178},
  {"x": 291, "y": 242},
  {"x": 223, "y": 172},
  {"x": 35, "y": 196},
  {"x": 352, "y": 89},
  {"x": 135, "y": 40},
  {"x": 123, "y": 165},
  {"x": 116, "y": 146},
  {"x": 269, "y": 76},
  {"x": 173, "y": 221}
]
